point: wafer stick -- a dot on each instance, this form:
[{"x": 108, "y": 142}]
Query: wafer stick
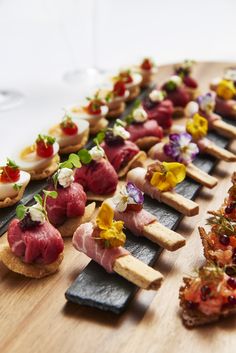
[
  {"x": 163, "y": 236},
  {"x": 200, "y": 176},
  {"x": 138, "y": 272},
  {"x": 224, "y": 129},
  {"x": 179, "y": 203},
  {"x": 219, "y": 153}
]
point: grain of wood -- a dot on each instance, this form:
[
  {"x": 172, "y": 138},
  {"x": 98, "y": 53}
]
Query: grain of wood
[{"x": 34, "y": 315}]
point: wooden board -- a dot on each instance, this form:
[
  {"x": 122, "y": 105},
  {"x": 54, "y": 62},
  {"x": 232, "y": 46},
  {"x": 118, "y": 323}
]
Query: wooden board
[{"x": 35, "y": 318}]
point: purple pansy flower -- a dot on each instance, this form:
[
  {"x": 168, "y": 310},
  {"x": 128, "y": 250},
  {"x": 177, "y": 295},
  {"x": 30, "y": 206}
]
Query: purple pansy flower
[
  {"x": 128, "y": 195},
  {"x": 206, "y": 102},
  {"x": 181, "y": 148}
]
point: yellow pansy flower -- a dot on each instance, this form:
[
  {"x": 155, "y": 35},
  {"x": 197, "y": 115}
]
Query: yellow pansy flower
[
  {"x": 197, "y": 126},
  {"x": 111, "y": 231},
  {"x": 168, "y": 175},
  {"x": 226, "y": 89}
]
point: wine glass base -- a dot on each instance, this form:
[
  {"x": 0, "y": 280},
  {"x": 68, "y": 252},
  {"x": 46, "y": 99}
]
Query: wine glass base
[
  {"x": 10, "y": 99},
  {"x": 89, "y": 76}
]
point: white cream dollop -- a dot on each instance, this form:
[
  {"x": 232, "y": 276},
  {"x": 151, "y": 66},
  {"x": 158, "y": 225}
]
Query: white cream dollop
[
  {"x": 120, "y": 131},
  {"x": 37, "y": 213},
  {"x": 97, "y": 153},
  {"x": 65, "y": 177},
  {"x": 176, "y": 80},
  {"x": 140, "y": 115},
  {"x": 156, "y": 96},
  {"x": 191, "y": 109}
]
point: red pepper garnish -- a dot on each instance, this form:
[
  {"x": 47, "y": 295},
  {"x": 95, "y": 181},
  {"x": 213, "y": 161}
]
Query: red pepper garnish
[
  {"x": 69, "y": 127},
  {"x": 10, "y": 173},
  {"x": 44, "y": 146}
]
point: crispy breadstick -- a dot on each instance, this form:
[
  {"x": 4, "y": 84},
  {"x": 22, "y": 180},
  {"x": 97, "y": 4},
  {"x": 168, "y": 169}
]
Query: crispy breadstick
[
  {"x": 220, "y": 153},
  {"x": 163, "y": 236},
  {"x": 201, "y": 177},
  {"x": 138, "y": 272},
  {"x": 179, "y": 203},
  {"x": 224, "y": 129}
]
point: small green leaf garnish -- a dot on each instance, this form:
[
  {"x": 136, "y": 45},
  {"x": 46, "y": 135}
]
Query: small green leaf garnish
[
  {"x": 66, "y": 164},
  {"x": 52, "y": 194},
  {"x": 46, "y": 138},
  {"x": 21, "y": 211},
  {"x": 38, "y": 199},
  {"x": 17, "y": 187},
  {"x": 75, "y": 160},
  {"x": 99, "y": 138},
  {"x": 84, "y": 156},
  {"x": 137, "y": 103},
  {"x": 12, "y": 164}
]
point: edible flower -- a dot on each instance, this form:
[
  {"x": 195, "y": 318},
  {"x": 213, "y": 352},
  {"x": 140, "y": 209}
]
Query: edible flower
[
  {"x": 65, "y": 177},
  {"x": 197, "y": 126},
  {"x": 226, "y": 89},
  {"x": 36, "y": 214},
  {"x": 139, "y": 115},
  {"x": 119, "y": 130},
  {"x": 207, "y": 102},
  {"x": 110, "y": 231},
  {"x": 167, "y": 175},
  {"x": 157, "y": 95},
  {"x": 128, "y": 195},
  {"x": 181, "y": 148}
]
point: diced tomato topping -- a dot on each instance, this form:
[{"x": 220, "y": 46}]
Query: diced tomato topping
[
  {"x": 119, "y": 88},
  {"x": 69, "y": 127},
  {"x": 44, "y": 146},
  {"x": 146, "y": 64},
  {"x": 10, "y": 174},
  {"x": 94, "y": 107}
]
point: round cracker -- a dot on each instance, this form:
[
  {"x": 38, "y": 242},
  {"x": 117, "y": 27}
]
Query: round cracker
[
  {"x": 136, "y": 161},
  {"x": 15, "y": 264},
  {"x": 134, "y": 92},
  {"x": 48, "y": 171},
  {"x": 75, "y": 148},
  {"x": 115, "y": 113},
  {"x": 68, "y": 228},
  {"x": 147, "y": 142},
  {"x": 102, "y": 124},
  {"x": 7, "y": 202}
]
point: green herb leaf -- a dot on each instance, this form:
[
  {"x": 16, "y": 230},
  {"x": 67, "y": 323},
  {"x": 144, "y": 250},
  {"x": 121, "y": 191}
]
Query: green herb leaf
[
  {"x": 38, "y": 199},
  {"x": 75, "y": 160},
  {"x": 12, "y": 164},
  {"x": 66, "y": 164},
  {"x": 52, "y": 194},
  {"x": 20, "y": 211},
  {"x": 17, "y": 187},
  {"x": 99, "y": 138},
  {"x": 136, "y": 104},
  {"x": 84, "y": 156}
]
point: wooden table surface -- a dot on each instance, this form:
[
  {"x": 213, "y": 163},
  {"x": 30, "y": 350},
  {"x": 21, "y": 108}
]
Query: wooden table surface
[{"x": 35, "y": 317}]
